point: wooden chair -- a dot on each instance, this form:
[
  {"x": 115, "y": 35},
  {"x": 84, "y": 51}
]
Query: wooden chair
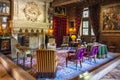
[
  {"x": 25, "y": 52},
  {"x": 46, "y": 63},
  {"x": 65, "y": 42},
  {"x": 93, "y": 53},
  {"x": 77, "y": 57}
]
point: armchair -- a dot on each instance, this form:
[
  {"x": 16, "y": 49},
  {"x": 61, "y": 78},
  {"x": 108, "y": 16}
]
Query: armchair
[
  {"x": 51, "y": 44},
  {"x": 65, "y": 42},
  {"x": 46, "y": 63},
  {"x": 77, "y": 57},
  {"x": 93, "y": 53}
]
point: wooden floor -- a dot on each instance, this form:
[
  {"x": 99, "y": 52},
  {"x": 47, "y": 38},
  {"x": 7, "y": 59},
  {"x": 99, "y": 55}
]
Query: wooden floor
[
  {"x": 3, "y": 74},
  {"x": 113, "y": 75}
]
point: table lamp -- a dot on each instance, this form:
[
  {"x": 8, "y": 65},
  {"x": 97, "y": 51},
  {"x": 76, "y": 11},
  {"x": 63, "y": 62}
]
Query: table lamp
[{"x": 73, "y": 37}]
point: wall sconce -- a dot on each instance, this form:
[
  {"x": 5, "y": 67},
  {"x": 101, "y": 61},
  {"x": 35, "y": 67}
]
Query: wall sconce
[
  {"x": 50, "y": 31},
  {"x": 4, "y": 26},
  {"x": 72, "y": 30}
]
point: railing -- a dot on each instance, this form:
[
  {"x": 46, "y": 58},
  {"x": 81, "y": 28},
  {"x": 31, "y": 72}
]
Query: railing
[{"x": 16, "y": 72}]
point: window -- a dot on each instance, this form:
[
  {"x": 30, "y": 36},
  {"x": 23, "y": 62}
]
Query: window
[
  {"x": 87, "y": 29},
  {"x": 86, "y": 14}
]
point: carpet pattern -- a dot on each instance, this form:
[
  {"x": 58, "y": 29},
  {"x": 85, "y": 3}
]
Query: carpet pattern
[{"x": 67, "y": 73}]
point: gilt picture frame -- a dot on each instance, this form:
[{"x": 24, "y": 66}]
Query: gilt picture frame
[
  {"x": 110, "y": 18},
  {"x": 60, "y": 11}
]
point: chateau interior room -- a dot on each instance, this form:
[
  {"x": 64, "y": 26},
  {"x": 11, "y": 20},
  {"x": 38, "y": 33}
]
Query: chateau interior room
[{"x": 59, "y": 39}]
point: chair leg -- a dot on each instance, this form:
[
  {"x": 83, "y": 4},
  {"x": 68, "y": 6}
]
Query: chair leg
[
  {"x": 24, "y": 60},
  {"x": 76, "y": 64},
  {"x": 89, "y": 58},
  {"x": 66, "y": 62},
  {"x": 95, "y": 59},
  {"x": 17, "y": 57},
  {"x": 31, "y": 60},
  {"x": 83, "y": 59},
  {"x": 81, "y": 63}
]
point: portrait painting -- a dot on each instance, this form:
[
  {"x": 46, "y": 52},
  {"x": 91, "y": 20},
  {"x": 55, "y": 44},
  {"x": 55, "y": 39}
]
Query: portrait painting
[
  {"x": 110, "y": 18},
  {"x": 5, "y": 45},
  {"x": 60, "y": 11}
]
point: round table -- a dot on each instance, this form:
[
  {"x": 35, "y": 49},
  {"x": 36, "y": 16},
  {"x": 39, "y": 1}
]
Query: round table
[{"x": 102, "y": 52}]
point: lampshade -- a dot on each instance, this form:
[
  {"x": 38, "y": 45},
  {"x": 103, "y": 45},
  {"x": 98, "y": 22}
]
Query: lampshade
[{"x": 73, "y": 37}]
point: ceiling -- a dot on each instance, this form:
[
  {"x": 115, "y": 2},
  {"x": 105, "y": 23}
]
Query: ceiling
[{"x": 78, "y": 2}]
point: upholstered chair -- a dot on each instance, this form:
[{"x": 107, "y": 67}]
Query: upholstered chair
[
  {"x": 78, "y": 57},
  {"x": 65, "y": 42},
  {"x": 46, "y": 63},
  {"x": 51, "y": 44},
  {"x": 93, "y": 53}
]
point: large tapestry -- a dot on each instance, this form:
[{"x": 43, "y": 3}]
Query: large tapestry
[{"x": 110, "y": 18}]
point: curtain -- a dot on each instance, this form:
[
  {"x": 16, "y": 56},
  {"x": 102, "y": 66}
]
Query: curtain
[
  {"x": 78, "y": 18},
  {"x": 95, "y": 19},
  {"x": 59, "y": 25}
]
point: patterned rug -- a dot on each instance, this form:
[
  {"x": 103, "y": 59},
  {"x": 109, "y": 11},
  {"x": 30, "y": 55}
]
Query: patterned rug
[{"x": 67, "y": 73}]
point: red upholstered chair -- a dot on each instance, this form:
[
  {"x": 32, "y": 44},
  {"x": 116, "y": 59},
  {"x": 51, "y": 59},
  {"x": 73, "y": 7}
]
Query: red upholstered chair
[{"x": 77, "y": 57}]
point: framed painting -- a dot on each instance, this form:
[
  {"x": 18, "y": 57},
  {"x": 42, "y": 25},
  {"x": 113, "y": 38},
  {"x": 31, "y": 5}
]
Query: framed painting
[
  {"x": 110, "y": 18},
  {"x": 5, "y": 45},
  {"x": 60, "y": 11},
  {"x": 71, "y": 23}
]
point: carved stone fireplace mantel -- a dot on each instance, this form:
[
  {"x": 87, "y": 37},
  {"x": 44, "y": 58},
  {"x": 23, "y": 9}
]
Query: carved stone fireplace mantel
[{"x": 17, "y": 25}]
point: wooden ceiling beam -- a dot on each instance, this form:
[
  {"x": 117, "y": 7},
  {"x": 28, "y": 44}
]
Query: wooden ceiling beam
[{"x": 64, "y": 2}]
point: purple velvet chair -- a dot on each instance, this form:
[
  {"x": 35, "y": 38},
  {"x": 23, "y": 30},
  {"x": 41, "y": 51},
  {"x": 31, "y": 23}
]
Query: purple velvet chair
[
  {"x": 78, "y": 56},
  {"x": 93, "y": 53}
]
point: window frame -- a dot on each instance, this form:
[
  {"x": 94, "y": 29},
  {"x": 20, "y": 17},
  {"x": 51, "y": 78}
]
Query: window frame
[{"x": 89, "y": 24}]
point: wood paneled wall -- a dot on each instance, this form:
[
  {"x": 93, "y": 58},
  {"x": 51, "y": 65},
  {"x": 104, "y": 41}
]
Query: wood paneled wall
[{"x": 111, "y": 39}]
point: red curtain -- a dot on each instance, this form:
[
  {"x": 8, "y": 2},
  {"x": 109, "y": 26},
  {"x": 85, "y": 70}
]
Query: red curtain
[
  {"x": 95, "y": 19},
  {"x": 78, "y": 17},
  {"x": 59, "y": 25}
]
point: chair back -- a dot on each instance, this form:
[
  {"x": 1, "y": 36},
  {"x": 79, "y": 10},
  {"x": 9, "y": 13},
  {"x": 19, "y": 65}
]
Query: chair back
[
  {"x": 94, "y": 50},
  {"x": 80, "y": 53},
  {"x": 45, "y": 60},
  {"x": 65, "y": 39}
]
